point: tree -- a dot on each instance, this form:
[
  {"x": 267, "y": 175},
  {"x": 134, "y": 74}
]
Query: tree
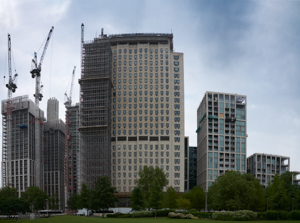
[
  {"x": 103, "y": 196},
  {"x": 73, "y": 202},
  {"x": 151, "y": 183},
  {"x": 54, "y": 202},
  {"x": 197, "y": 197},
  {"x": 84, "y": 198},
  {"x": 5, "y": 194},
  {"x": 137, "y": 199},
  {"x": 170, "y": 198},
  {"x": 35, "y": 196},
  {"x": 183, "y": 203},
  {"x": 14, "y": 205},
  {"x": 277, "y": 193},
  {"x": 231, "y": 191}
]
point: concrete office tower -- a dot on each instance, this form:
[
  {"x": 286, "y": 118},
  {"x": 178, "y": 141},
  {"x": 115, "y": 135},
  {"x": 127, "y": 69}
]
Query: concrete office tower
[
  {"x": 137, "y": 116},
  {"x": 221, "y": 136},
  {"x": 52, "y": 110},
  {"x": 264, "y": 166},
  {"x": 72, "y": 151},
  {"x": 54, "y": 154},
  {"x": 19, "y": 160},
  {"x": 190, "y": 165}
]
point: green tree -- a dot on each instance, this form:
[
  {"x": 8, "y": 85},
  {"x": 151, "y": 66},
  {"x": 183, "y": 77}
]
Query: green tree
[
  {"x": 183, "y": 203},
  {"x": 14, "y": 205},
  {"x": 73, "y": 202},
  {"x": 277, "y": 194},
  {"x": 151, "y": 183},
  {"x": 84, "y": 198},
  {"x": 137, "y": 199},
  {"x": 35, "y": 196},
  {"x": 54, "y": 202},
  {"x": 197, "y": 197},
  {"x": 103, "y": 196},
  {"x": 231, "y": 191},
  {"x": 170, "y": 198},
  {"x": 5, "y": 194}
]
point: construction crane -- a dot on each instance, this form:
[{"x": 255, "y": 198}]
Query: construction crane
[
  {"x": 6, "y": 152},
  {"x": 36, "y": 70},
  {"x": 68, "y": 100}
]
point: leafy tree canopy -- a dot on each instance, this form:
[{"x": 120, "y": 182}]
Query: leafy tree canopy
[
  {"x": 170, "y": 198},
  {"x": 35, "y": 196},
  {"x": 137, "y": 199}
]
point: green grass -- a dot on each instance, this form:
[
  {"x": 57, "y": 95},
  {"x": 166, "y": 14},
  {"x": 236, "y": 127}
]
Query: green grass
[{"x": 81, "y": 219}]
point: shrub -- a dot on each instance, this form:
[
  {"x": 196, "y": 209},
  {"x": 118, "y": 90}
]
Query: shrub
[
  {"x": 271, "y": 215},
  {"x": 242, "y": 215},
  {"x": 294, "y": 215},
  {"x": 142, "y": 214},
  {"x": 119, "y": 215},
  {"x": 163, "y": 213},
  {"x": 261, "y": 215},
  {"x": 283, "y": 215},
  {"x": 180, "y": 215}
]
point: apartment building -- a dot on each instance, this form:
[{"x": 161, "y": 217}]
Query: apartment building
[
  {"x": 221, "y": 136},
  {"x": 264, "y": 166}
]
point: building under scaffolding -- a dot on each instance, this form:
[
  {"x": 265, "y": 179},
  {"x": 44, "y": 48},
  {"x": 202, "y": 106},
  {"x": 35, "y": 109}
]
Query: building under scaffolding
[
  {"x": 21, "y": 152},
  {"x": 54, "y": 154},
  {"x": 94, "y": 121},
  {"x": 131, "y": 109},
  {"x": 72, "y": 151}
]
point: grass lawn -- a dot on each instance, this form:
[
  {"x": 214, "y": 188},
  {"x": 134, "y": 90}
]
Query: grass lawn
[{"x": 81, "y": 219}]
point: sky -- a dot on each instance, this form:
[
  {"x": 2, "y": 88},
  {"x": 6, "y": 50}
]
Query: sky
[{"x": 244, "y": 47}]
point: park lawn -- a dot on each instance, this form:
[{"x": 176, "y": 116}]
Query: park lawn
[{"x": 82, "y": 219}]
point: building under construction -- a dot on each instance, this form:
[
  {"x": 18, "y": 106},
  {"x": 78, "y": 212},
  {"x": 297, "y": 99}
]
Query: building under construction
[
  {"x": 54, "y": 154},
  {"x": 72, "y": 151},
  {"x": 94, "y": 121},
  {"x": 19, "y": 158},
  {"x": 131, "y": 109}
]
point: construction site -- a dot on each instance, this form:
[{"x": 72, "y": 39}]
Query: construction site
[{"x": 94, "y": 111}]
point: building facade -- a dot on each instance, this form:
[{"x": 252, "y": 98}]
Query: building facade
[
  {"x": 54, "y": 154},
  {"x": 19, "y": 160},
  {"x": 72, "y": 151},
  {"x": 143, "y": 106},
  {"x": 190, "y": 165},
  {"x": 221, "y": 136},
  {"x": 264, "y": 166}
]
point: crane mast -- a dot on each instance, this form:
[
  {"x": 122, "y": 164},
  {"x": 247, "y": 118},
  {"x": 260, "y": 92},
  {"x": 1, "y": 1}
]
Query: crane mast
[
  {"x": 68, "y": 100},
  {"x": 36, "y": 69},
  {"x": 6, "y": 152}
]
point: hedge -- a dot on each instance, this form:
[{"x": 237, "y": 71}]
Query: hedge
[
  {"x": 142, "y": 214},
  {"x": 271, "y": 215},
  {"x": 119, "y": 215},
  {"x": 294, "y": 215},
  {"x": 180, "y": 215},
  {"x": 163, "y": 213},
  {"x": 242, "y": 215}
]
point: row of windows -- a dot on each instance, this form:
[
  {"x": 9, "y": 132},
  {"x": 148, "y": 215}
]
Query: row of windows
[
  {"x": 141, "y": 132},
  {"x": 176, "y": 154},
  {"x": 141, "y": 57},
  {"x": 146, "y": 111},
  {"x": 145, "y": 124},
  {"x": 141, "y": 50},
  {"x": 145, "y": 147},
  {"x": 145, "y": 68},
  {"x": 135, "y": 87},
  {"x": 176, "y": 94},
  {"x": 141, "y": 75},
  {"x": 176, "y": 168},
  {"x": 143, "y": 81},
  {"x": 135, "y": 63}
]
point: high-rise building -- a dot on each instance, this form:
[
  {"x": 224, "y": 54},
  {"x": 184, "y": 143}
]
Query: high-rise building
[
  {"x": 54, "y": 154},
  {"x": 19, "y": 159},
  {"x": 72, "y": 151},
  {"x": 264, "y": 166},
  {"x": 190, "y": 165},
  {"x": 131, "y": 109},
  {"x": 221, "y": 136}
]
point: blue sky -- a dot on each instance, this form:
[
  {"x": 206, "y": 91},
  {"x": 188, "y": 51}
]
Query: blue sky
[{"x": 243, "y": 47}]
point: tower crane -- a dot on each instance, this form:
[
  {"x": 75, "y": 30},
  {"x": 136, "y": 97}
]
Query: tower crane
[
  {"x": 36, "y": 70},
  {"x": 68, "y": 100},
  {"x": 6, "y": 152},
  {"x": 36, "y": 73}
]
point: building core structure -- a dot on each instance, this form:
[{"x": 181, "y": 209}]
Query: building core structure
[
  {"x": 190, "y": 165},
  {"x": 221, "y": 136},
  {"x": 19, "y": 158},
  {"x": 131, "y": 109},
  {"x": 264, "y": 167},
  {"x": 54, "y": 154}
]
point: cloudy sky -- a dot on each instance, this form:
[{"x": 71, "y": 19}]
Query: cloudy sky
[{"x": 243, "y": 47}]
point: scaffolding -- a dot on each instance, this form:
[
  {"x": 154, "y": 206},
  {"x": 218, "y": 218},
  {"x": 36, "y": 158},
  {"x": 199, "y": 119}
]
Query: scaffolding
[
  {"x": 95, "y": 100},
  {"x": 72, "y": 150}
]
